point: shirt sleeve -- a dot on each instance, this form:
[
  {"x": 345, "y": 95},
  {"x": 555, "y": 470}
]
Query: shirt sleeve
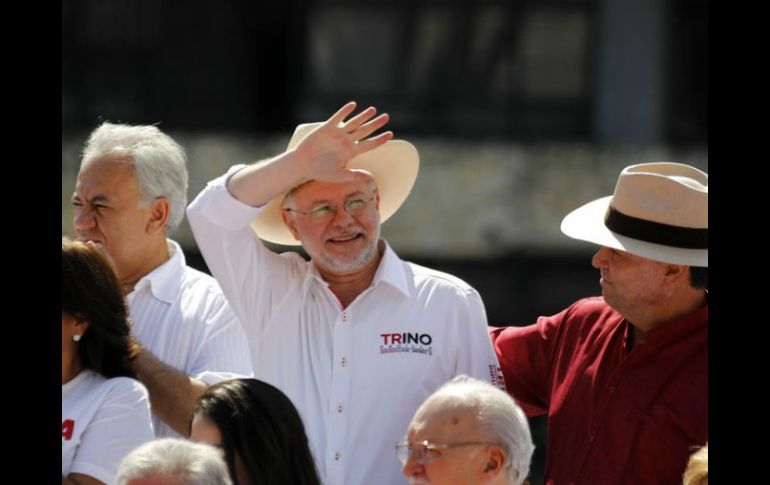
[
  {"x": 121, "y": 423},
  {"x": 526, "y": 355},
  {"x": 476, "y": 358},
  {"x": 251, "y": 276}
]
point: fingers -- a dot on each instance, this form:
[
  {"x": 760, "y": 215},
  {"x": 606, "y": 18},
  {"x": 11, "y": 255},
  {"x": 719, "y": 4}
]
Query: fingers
[
  {"x": 360, "y": 126},
  {"x": 372, "y": 143},
  {"x": 355, "y": 122},
  {"x": 371, "y": 126},
  {"x": 342, "y": 113}
]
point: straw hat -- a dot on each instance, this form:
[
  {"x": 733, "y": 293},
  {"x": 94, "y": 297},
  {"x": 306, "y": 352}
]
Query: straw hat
[{"x": 658, "y": 211}]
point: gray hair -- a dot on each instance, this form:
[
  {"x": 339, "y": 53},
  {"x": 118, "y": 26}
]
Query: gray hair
[
  {"x": 498, "y": 415},
  {"x": 178, "y": 461},
  {"x": 159, "y": 162}
]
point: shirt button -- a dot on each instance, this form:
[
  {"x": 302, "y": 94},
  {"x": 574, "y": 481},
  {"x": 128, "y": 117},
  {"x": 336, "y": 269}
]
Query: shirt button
[
  {"x": 591, "y": 438},
  {"x": 337, "y": 456},
  {"x": 339, "y": 408},
  {"x": 343, "y": 362},
  {"x": 344, "y": 317}
]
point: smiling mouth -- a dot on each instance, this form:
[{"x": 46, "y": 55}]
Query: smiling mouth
[{"x": 343, "y": 239}]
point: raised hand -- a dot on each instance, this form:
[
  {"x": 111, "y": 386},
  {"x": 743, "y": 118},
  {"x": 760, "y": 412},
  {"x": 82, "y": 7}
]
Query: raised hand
[{"x": 325, "y": 151}]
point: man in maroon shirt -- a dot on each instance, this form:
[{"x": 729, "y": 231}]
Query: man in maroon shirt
[{"x": 624, "y": 378}]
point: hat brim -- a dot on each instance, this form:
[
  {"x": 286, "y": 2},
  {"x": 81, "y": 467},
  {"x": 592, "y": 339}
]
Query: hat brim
[
  {"x": 393, "y": 166},
  {"x": 587, "y": 224}
]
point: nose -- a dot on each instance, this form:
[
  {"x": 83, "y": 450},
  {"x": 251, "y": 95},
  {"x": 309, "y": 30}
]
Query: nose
[
  {"x": 599, "y": 260},
  {"x": 341, "y": 217},
  {"x": 412, "y": 467},
  {"x": 83, "y": 219}
]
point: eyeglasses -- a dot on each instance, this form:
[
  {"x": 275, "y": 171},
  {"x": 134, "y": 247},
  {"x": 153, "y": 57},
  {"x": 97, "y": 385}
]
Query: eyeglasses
[
  {"x": 354, "y": 207},
  {"x": 425, "y": 451}
]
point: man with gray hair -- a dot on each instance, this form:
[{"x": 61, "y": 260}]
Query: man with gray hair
[
  {"x": 130, "y": 194},
  {"x": 467, "y": 432},
  {"x": 172, "y": 461}
]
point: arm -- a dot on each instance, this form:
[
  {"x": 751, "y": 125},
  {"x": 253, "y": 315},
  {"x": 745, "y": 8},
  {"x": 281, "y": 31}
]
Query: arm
[
  {"x": 172, "y": 393},
  {"x": 526, "y": 356},
  {"x": 321, "y": 155},
  {"x": 80, "y": 479}
]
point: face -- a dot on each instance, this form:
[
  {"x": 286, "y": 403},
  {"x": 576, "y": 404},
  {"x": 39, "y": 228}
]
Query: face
[
  {"x": 344, "y": 243},
  {"x": 108, "y": 210},
  {"x": 630, "y": 283},
  {"x": 440, "y": 422},
  {"x": 203, "y": 430}
]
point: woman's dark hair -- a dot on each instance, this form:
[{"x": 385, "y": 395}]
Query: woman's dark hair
[
  {"x": 261, "y": 425},
  {"x": 90, "y": 291}
]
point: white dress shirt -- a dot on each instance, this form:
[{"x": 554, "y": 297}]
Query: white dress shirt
[
  {"x": 181, "y": 316},
  {"x": 356, "y": 374}
]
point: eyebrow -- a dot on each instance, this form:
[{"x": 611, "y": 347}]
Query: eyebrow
[{"x": 94, "y": 199}]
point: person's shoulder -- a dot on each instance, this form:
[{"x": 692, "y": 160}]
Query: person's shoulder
[
  {"x": 113, "y": 388},
  {"x": 424, "y": 276},
  {"x": 591, "y": 304},
  {"x": 592, "y": 310},
  {"x": 195, "y": 280},
  {"x": 126, "y": 386}
]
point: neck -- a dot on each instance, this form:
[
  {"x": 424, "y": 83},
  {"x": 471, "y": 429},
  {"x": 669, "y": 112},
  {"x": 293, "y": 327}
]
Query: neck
[
  {"x": 70, "y": 368},
  {"x": 680, "y": 304},
  {"x": 347, "y": 286},
  {"x": 129, "y": 277}
]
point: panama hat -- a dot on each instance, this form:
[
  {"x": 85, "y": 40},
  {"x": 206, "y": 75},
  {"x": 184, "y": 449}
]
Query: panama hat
[
  {"x": 658, "y": 211},
  {"x": 393, "y": 165}
]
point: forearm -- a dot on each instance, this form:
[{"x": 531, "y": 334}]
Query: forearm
[
  {"x": 80, "y": 479},
  {"x": 172, "y": 393},
  {"x": 260, "y": 182}
]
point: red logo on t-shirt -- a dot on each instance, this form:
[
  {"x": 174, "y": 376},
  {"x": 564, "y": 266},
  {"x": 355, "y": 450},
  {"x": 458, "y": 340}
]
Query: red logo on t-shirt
[{"x": 67, "y": 427}]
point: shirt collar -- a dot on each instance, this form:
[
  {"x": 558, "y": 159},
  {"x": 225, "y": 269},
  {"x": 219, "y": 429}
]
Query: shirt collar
[
  {"x": 165, "y": 281},
  {"x": 689, "y": 324},
  {"x": 390, "y": 272}
]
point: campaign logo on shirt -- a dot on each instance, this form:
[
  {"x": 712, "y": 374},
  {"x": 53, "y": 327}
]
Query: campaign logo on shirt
[
  {"x": 67, "y": 428},
  {"x": 418, "y": 343}
]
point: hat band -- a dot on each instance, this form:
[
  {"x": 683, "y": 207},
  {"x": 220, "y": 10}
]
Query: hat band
[{"x": 656, "y": 232}]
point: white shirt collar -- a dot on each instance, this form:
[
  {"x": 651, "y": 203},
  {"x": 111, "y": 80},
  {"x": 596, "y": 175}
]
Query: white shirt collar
[
  {"x": 390, "y": 272},
  {"x": 165, "y": 281}
]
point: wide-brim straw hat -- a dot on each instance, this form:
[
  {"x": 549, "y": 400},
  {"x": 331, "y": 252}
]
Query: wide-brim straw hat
[
  {"x": 393, "y": 165},
  {"x": 658, "y": 211}
]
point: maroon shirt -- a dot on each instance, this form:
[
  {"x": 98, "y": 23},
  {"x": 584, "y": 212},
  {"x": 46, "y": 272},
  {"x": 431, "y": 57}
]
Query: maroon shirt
[{"x": 614, "y": 416}]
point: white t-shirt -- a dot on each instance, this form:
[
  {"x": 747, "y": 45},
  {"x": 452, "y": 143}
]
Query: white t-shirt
[
  {"x": 102, "y": 421},
  {"x": 357, "y": 374},
  {"x": 181, "y": 316}
]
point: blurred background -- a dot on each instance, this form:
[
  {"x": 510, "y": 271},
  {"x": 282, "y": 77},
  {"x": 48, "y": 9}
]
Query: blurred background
[{"x": 521, "y": 111}]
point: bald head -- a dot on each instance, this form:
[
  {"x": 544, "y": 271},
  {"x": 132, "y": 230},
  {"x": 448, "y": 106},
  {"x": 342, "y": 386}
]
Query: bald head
[{"x": 483, "y": 436}]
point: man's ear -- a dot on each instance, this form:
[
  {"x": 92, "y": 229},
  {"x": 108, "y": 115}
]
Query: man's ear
[
  {"x": 158, "y": 215},
  {"x": 675, "y": 272},
  {"x": 290, "y": 223},
  {"x": 495, "y": 462}
]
